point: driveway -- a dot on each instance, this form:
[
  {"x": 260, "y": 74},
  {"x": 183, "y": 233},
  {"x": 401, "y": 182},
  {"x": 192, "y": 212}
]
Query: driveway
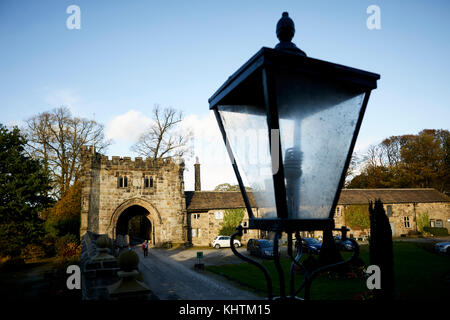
[{"x": 169, "y": 275}]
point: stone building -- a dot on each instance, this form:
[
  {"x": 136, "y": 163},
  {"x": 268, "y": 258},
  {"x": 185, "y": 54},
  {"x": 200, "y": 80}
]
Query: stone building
[
  {"x": 402, "y": 206},
  {"x": 117, "y": 191}
]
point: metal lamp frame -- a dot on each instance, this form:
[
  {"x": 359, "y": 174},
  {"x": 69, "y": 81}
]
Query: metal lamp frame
[{"x": 254, "y": 83}]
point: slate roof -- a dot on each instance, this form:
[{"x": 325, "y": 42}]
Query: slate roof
[
  {"x": 391, "y": 196},
  {"x": 210, "y": 200}
]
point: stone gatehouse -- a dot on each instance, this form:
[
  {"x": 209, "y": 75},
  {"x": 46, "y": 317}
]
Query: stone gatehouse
[{"x": 115, "y": 191}]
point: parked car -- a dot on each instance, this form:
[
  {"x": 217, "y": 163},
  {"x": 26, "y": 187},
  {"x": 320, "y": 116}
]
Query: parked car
[
  {"x": 442, "y": 247},
  {"x": 346, "y": 245},
  {"x": 311, "y": 245},
  {"x": 261, "y": 248},
  {"x": 224, "y": 242}
]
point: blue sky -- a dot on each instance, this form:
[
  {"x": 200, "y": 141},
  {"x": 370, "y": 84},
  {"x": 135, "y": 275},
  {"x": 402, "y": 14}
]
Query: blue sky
[{"x": 129, "y": 55}]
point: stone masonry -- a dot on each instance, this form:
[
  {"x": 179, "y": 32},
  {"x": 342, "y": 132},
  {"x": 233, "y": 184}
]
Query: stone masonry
[{"x": 110, "y": 186}]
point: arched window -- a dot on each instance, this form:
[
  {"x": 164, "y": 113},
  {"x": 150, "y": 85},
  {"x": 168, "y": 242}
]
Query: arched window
[
  {"x": 125, "y": 182},
  {"x": 146, "y": 182},
  {"x": 120, "y": 182},
  {"x": 151, "y": 182}
]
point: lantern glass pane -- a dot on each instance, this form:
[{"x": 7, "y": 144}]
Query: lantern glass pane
[
  {"x": 317, "y": 122},
  {"x": 247, "y": 134}
]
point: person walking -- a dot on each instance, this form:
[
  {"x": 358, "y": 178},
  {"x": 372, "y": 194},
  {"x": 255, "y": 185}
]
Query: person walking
[{"x": 145, "y": 248}]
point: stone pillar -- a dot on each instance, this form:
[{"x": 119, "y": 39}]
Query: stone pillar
[{"x": 197, "y": 175}]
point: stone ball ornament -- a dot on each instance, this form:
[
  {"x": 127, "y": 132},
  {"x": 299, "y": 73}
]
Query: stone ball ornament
[
  {"x": 103, "y": 242},
  {"x": 128, "y": 261}
]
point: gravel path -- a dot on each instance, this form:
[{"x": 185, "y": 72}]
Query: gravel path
[{"x": 174, "y": 280}]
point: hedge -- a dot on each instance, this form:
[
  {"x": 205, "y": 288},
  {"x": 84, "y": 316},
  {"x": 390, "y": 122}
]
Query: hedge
[{"x": 436, "y": 231}]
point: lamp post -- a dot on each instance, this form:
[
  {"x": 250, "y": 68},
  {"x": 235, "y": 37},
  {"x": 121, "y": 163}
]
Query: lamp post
[{"x": 309, "y": 112}]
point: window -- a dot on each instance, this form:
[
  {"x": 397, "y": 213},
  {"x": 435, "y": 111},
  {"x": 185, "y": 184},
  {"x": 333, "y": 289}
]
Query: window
[
  {"x": 196, "y": 232},
  {"x": 406, "y": 222},
  {"x": 148, "y": 182},
  {"x": 123, "y": 182},
  {"x": 218, "y": 215},
  {"x": 338, "y": 211},
  {"x": 389, "y": 211},
  {"x": 196, "y": 216},
  {"x": 439, "y": 224},
  {"x": 432, "y": 223}
]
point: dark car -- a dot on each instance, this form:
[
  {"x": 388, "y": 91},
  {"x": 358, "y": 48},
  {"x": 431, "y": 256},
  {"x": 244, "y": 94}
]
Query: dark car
[
  {"x": 261, "y": 248},
  {"x": 311, "y": 245},
  {"x": 345, "y": 245}
]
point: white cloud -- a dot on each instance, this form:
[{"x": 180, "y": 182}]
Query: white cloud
[
  {"x": 62, "y": 97},
  {"x": 126, "y": 128}
]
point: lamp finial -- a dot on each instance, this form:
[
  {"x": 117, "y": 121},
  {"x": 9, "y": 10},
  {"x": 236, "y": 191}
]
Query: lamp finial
[{"x": 285, "y": 33}]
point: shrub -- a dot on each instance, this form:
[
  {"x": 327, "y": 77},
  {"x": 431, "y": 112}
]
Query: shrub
[
  {"x": 33, "y": 253},
  {"x": 48, "y": 244},
  {"x": 357, "y": 217},
  {"x": 423, "y": 221},
  {"x": 67, "y": 245},
  {"x": 440, "y": 232}
]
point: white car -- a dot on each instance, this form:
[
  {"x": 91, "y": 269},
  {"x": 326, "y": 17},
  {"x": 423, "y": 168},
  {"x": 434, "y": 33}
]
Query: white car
[{"x": 224, "y": 242}]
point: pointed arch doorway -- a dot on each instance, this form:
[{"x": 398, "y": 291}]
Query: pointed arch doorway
[{"x": 135, "y": 222}]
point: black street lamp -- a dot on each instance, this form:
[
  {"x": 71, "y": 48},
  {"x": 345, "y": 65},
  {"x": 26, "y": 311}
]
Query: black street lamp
[{"x": 309, "y": 112}]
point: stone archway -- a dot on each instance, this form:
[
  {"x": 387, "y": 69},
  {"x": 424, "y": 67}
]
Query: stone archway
[{"x": 131, "y": 208}]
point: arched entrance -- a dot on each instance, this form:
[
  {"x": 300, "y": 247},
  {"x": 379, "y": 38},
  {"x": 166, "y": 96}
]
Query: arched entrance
[
  {"x": 137, "y": 218},
  {"x": 135, "y": 223}
]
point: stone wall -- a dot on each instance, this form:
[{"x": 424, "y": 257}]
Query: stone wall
[
  {"x": 411, "y": 211},
  {"x": 209, "y": 223},
  {"x": 103, "y": 199}
]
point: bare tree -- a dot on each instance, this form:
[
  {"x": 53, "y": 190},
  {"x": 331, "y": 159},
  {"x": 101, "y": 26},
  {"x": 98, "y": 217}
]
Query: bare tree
[
  {"x": 353, "y": 167},
  {"x": 165, "y": 137},
  {"x": 56, "y": 138}
]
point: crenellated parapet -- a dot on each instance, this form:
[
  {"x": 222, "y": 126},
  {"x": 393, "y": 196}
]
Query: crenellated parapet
[{"x": 93, "y": 158}]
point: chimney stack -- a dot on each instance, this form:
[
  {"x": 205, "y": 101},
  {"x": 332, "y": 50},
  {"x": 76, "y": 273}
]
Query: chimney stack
[{"x": 197, "y": 175}]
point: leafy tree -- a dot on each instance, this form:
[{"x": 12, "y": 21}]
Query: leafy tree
[
  {"x": 408, "y": 161},
  {"x": 23, "y": 194},
  {"x": 64, "y": 217},
  {"x": 56, "y": 138},
  {"x": 231, "y": 219}
]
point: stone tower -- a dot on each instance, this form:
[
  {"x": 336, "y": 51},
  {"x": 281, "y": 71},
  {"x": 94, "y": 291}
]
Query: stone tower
[{"x": 118, "y": 189}]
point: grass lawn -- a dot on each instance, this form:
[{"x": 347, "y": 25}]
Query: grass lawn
[{"x": 419, "y": 274}]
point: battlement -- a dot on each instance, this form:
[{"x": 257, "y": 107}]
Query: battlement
[{"x": 89, "y": 152}]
